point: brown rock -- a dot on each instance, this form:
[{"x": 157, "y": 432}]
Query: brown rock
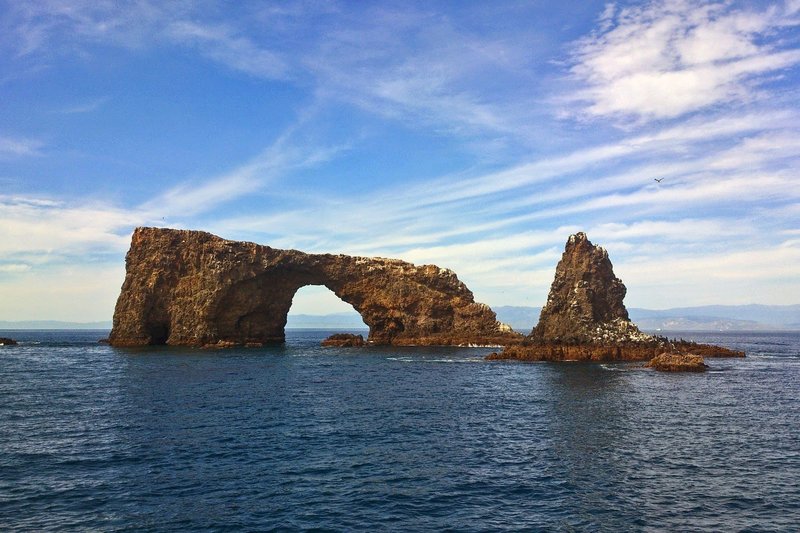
[
  {"x": 5, "y": 341},
  {"x": 344, "y": 340},
  {"x": 676, "y": 362},
  {"x": 193, "y": 288},
  {"x": 585, "y": 300},
  {"x": 585, "y": 319}
]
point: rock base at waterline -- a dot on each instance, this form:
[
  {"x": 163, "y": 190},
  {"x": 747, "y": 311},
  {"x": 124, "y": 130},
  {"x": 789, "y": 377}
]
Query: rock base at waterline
[
  {"x": 552, "y": 351},
  {"x": 344, "y": 340},
  {"x": 673, "y": 362}
]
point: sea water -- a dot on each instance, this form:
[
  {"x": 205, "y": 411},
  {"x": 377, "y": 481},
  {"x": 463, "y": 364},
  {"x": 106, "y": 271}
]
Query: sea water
[{"x": 302, "y": 437}]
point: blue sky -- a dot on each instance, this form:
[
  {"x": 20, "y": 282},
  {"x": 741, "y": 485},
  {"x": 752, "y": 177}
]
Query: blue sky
[{"x": 473, "y": 135}]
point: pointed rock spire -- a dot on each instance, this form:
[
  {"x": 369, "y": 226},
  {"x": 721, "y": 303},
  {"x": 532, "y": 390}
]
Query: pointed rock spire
[{"x": 585, "y": 300}]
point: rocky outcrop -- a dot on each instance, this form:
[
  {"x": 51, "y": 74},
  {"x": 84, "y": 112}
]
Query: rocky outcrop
[
  {"x": 672, "y": 362},
  {"x": 5, "y": 341},
  {"x": 193, "y": 288},
  {"x": 344, "y": 340},
  {"x": 585, "y": 300},
  {"x": 585, "y": 318}
]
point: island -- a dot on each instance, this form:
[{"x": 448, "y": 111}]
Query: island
[
  {"x": 585, "y": 318},
  {"x": 192, "y": 288}
]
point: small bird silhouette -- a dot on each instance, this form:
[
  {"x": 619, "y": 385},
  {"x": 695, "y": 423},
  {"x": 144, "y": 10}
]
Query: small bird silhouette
[{"x": 658, "y": 179}]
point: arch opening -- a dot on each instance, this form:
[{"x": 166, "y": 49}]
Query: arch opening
[{"x": 318, "y": 307}]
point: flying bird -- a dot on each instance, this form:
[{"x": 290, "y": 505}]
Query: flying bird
[{"x": 658, "y": 179}]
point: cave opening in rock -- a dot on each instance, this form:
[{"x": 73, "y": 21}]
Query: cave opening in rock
[
  {"x": 159, "y": 332},
  {"x": 317, "y": 307}
]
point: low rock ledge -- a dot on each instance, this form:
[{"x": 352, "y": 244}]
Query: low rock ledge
[
  {"x": 344, "y": 340},
  {"x": 674, "y": 362}
]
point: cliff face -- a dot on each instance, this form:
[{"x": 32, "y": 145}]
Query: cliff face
[
  {"x": 585, "y": 300},
  {"x": 193, "y": 288},
  {"x": 584, "y": 317}
]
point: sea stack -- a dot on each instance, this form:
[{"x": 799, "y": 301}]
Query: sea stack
[
  {"x": 585, "y": 300},
  {"x": 585, "y": 317}
]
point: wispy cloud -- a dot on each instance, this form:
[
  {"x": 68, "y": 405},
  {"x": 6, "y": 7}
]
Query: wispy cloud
[
  {"x": 222, "y": 44},
  {"x": 84, "y": 107},
  {"x": 669, "y": 58},
  {"x": 19, "y": 147},
  {"x": 14, "y": 267}
]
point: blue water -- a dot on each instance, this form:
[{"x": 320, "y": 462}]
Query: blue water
[{"x": 301, "y": 437}]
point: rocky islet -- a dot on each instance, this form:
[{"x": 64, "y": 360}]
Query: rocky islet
[
  {"x": 585, "y": 318},
  {"x": 193, "y": 288}
]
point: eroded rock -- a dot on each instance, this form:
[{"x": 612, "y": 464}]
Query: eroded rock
[
  {"x": 674, "y": 362},
  {"x": 193, "y": 288},
  {"x": 344, "y": 340},
  {"x": 585, "y": 317}
]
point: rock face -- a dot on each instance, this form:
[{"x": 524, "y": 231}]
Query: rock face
[
  {"x": 193, "y": 288},
  {"x": 584, "y": 317},
  {"x": 585, "y": 300},
  {"x": 671, "y": 362},
  {"x": 344, "y": 340}
]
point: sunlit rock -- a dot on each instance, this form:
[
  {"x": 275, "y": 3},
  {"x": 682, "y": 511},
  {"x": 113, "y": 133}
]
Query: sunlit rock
[{"x": 193, "y": 288}]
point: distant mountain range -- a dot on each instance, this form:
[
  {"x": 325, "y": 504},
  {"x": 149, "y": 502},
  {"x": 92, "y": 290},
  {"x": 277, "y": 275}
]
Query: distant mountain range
[
  {"x": 704, "y": 318},
  {"x": 53, "y": 324}
]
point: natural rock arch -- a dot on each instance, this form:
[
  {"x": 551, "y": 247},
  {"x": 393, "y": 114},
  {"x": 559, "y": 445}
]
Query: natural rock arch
[{"x": 193, "y": 288}]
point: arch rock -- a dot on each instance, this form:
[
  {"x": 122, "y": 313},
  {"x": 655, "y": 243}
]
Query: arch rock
[{"x": 193, "y": 288}]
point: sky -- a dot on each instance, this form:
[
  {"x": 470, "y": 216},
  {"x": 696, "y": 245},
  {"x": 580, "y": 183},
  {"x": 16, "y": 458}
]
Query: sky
[{"x": 476, "y": 136}]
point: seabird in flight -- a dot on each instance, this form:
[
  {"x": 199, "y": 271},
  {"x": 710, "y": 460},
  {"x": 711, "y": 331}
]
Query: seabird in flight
[{"x": 658, "y": 179}]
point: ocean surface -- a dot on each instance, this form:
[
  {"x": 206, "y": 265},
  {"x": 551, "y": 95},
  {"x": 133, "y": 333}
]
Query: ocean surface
[{"x": 296, "y": 437}]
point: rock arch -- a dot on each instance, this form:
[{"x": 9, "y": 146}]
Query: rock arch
[{"x": 193, "y": 288}]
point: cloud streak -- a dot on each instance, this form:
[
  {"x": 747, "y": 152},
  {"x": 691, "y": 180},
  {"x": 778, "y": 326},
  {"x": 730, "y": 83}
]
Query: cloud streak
[{"x": 19, "y": 147}]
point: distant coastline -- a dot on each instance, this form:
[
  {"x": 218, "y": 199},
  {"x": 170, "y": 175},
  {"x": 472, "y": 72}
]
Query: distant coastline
[
  {"x": 703, "y": 318},
  {"x": 54, "y": 324}
]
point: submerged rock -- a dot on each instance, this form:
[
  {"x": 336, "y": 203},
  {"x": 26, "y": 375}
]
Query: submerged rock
[
  {"x": 344, "y": 340},
  {"x": 5, "y": 341},
  {"x": 673, "y": 362},
  {"x": 585, "y": 317}
]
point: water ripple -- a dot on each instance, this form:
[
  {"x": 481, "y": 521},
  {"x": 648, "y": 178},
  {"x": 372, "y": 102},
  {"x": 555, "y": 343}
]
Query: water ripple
[{"x": 300, "y": 437}]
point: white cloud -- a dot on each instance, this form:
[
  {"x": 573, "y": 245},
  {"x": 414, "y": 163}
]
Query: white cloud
[
  {"x": 12, "y": 268},
  {"x": 84, "y": 107},
  {"x": 40, "y": 227},
  {"x": 758, "y": 274},
  {"x": 222, "y": 44},
  {"x": 81, "y": 292},
  {"x": 667, "y": 59},
  {"x": 19, "y": 147}
]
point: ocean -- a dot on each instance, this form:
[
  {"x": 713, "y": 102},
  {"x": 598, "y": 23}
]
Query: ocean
[{"x": 299, "y": 437}]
